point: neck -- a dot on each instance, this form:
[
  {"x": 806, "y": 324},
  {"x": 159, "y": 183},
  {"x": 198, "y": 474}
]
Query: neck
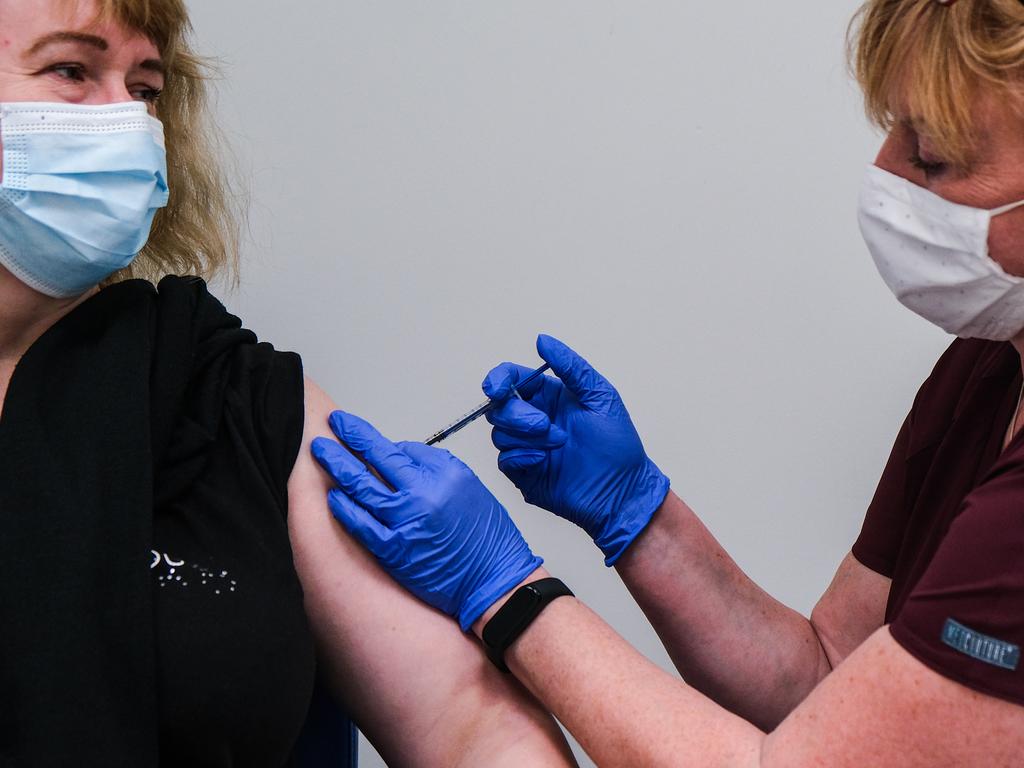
[{"x": 25, "y": 314}]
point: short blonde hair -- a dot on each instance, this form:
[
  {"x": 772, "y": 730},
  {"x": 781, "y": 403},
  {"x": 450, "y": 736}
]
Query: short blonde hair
[
  {"x": 937, "y": 59},
  {"x": 198, "y": 232}
]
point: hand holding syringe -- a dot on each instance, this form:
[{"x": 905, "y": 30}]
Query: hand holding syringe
[{"x": 480, "y": 410}]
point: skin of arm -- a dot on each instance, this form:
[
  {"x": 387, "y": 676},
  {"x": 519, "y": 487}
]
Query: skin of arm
[
  {"x": 567, "y": 442},
  {"x": 880, "y": 707},
  {"x": 421, "y": 690},
  {"x": 726, "y": 636}
]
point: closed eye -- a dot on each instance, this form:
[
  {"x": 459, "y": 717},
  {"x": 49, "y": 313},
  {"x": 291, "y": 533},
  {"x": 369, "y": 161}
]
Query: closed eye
[{"x": 930, "y": 169}]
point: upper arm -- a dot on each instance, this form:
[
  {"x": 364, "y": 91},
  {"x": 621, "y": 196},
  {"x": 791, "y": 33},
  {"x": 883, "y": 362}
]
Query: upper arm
[
  {"x": 853, "y": 606},
  {"x": 420, "y": 689},
  {"x": 883, "y": 707},
  {"x": 941, "y": 685},
  {"x": 851, "y": 609}
]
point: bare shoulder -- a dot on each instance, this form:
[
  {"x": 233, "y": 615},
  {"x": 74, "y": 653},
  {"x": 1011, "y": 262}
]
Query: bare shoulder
[
  {"x": 852, "y": 608},
  {"x": 420, "y": 689},
  {"x": 883, "y": 707}
]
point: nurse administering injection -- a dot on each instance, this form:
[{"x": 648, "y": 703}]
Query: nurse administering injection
[{"x": 912, "y": 656}]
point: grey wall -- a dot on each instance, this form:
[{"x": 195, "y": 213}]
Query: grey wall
[{"x": 670, "y": 187}]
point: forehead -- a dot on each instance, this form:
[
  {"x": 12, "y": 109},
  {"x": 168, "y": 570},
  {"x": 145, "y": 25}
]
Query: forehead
[
  {"x": 987, "y": 108},
  {"x": 981, "y": 110},
  {"x": 25, "y": 21}
]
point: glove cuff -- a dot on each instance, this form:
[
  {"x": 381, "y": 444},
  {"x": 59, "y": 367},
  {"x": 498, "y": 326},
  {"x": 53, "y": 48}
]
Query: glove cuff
[
  {"x": 497, "y": 585},
  {"x": 636, "y": 511}
]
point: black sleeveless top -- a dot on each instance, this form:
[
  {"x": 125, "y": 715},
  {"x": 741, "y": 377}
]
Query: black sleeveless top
[{"x": 150, "y": 612}]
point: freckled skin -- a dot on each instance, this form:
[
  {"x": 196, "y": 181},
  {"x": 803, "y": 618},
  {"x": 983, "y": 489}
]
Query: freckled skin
[{"x": 996, "y": 175}]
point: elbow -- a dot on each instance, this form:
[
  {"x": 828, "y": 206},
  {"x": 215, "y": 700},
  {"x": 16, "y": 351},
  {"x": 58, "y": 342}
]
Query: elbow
[{"x": 494, "y": 721}]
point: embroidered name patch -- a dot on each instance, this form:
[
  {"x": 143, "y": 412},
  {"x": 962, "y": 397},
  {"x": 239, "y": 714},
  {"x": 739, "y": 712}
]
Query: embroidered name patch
[{"x": 990, "y": 650}]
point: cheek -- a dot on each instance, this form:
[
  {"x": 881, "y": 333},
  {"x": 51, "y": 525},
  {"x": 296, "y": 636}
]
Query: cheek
[{"x": 1006, "y": 241}]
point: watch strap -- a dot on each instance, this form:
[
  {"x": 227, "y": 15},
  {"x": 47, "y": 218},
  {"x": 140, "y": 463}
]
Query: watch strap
[{"x": 517, "y": 614}]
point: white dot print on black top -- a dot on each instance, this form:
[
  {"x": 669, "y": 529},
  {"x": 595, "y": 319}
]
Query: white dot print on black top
[{"x": 177, "y": 572}]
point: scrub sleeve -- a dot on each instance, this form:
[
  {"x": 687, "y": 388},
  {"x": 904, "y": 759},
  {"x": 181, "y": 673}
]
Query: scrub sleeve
[{"x": 946, "y": 523}]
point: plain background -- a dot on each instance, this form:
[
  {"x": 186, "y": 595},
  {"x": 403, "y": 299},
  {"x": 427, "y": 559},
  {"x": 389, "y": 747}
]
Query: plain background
[{"x": 669, "y": 187}]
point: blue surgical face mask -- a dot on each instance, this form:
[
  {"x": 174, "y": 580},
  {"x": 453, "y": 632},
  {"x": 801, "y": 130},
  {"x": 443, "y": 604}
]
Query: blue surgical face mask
[{"x": 80, "y": 187}]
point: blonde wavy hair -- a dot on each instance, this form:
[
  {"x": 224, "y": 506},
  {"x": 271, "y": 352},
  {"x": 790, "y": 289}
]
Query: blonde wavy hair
[
  {"x": 935, "y": 60},
  {"x": 198, "y": 232}
]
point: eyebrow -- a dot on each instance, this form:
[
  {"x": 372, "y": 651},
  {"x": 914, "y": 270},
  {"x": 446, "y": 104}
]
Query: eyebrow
[
  {"x": 153, "y": 65},
  {"x": 67, "y": 37}
]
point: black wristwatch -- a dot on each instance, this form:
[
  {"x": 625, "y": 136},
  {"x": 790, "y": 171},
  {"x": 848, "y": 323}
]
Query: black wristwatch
[{"x": 517, "y": 614}]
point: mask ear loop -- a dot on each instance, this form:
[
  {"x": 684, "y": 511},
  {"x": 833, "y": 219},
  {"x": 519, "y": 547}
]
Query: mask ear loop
[{"x": 1005, "y": 208}]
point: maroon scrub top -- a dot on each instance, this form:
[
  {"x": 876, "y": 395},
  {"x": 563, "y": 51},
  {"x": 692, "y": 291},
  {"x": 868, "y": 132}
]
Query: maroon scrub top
[{"x": 947, "y": 522}]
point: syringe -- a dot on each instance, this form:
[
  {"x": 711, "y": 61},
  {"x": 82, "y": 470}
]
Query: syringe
[{"x": 481, "y": 409}]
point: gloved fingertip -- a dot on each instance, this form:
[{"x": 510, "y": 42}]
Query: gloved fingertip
[
  {"x": 322, "y": 448},
  {"x": 338, "y": 420},
  {"x": 557, "y": 436},
  {"x": 542, "y": 420},
  {"x": 554, "y": 352},
  {"x": 356, "y": 432},
  {"x": 422, "y": 454},
  {"x": 339, "y": 504},
  {"x": 497, "y": 384},
  {"x": 358, "y": 522},
  {"x": 546, "y": 342},
  {"x": 499, "y": 438},
  {"x": 519, "y": 460},
  {"x": 519, "y": 416},
  {"x": 536, "y": 425}
]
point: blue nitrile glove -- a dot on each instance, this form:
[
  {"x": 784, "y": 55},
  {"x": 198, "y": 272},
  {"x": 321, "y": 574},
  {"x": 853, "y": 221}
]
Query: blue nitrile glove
[
  {"x": 571, "y": 448},
  {"x": 440, "y": 533}
]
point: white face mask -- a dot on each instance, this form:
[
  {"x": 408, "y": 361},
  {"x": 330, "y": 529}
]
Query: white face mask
[{"x": 933, "y": 255}]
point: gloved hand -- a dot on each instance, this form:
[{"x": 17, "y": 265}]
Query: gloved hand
[
  {"x": 571, "y": 448},
  {"x": 440, "y": 533}
]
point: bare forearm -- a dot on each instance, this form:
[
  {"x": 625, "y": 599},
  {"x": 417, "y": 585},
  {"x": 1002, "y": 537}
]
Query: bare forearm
[
  {"x": 623, "y": 709},
  {"x": 424, "y": 694},
  {"x": 516, "y": 735},
  {"x": 726, "y": 636}
]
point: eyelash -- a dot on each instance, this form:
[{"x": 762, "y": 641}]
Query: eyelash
[
  {"x": 929, "y": 168},
  {"x": 78, "y": 69},
  {"x": 148, "y": 95},
  {"x": 151, "y": 95}
]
